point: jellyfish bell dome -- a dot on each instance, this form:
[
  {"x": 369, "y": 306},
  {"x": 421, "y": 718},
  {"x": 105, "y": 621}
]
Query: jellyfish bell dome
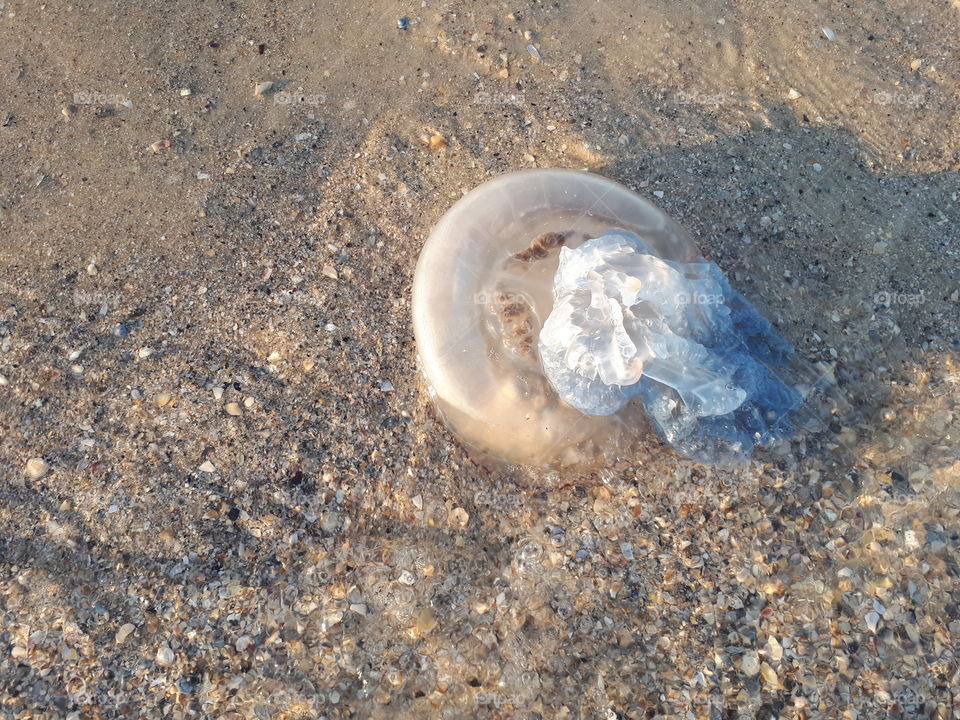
[{"x": 482, "y": 291}]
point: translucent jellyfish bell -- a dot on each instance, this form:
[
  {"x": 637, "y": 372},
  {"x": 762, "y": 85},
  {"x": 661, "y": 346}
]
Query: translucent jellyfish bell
[
  {"x": 487, "y": 283},
  {"x": 478, "y": 309}
]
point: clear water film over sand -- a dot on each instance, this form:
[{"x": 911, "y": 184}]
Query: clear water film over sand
[{"x": 225, "y": 489}]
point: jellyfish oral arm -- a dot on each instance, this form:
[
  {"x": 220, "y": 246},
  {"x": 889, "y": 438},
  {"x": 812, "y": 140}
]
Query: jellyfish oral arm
[{"x": 628, "y": 323}]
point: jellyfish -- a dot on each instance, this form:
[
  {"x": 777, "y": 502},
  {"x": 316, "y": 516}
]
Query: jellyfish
[{"x": 560, "y": 318}]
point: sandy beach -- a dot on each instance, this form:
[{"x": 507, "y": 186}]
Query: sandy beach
[{"x": 224, "y": 491}]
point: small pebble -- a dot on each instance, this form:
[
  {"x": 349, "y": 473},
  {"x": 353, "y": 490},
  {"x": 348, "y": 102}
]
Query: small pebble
[
  {"x": 386, "y": 386},
  {"x": 262, "y": 88},
  {"x": 330, "y": 521},
  {"x": 123, "y": 633},
  {"x": 165, "y": 656},
  {"x": 184, "y": 92},
  {"x": 769, "y": 675},
  {"x": 658, "y": 193},
  {"x": 426, "y": 621},
  {"x": 208, "y": 467},
  {"x": 873, "y": 620},
  {"x": 36, "y": 468},
  {"x": 774, "y": 649},
  {"x": 217, "y": 392},
  {"x": 793, "y": 94},
  {"x": 459, "y": 516},
  {"x": 144, "y": 352},
  {"x": 403, "y": 23},
  {"x": 233, "y": 408}
]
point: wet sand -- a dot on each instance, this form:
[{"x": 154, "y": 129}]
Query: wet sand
[{"x": 224, "y": 490}]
